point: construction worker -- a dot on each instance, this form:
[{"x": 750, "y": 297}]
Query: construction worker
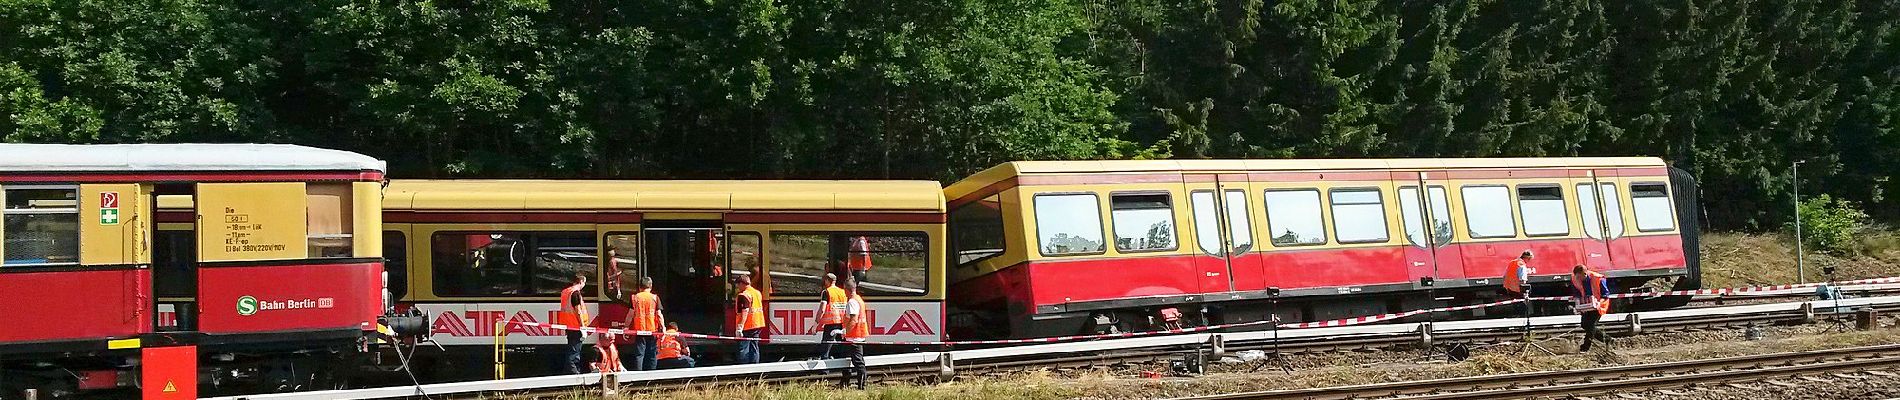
[
  {"x": 831, "y": 308},
  {"x": 858, "y": 329},
  {"x": 1517, "y": 277},
  {"x": 859, "y": 261},
  {"x": 1592, "y": 301},
  {"x": 573, "y": 314},
  {"x": 673, "y": 352},
  {"x": 750, "y": 306},
  {"x": 646, "y": 320}
]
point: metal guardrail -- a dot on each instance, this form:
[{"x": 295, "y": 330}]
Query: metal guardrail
[{"x": 926, "y": 359}]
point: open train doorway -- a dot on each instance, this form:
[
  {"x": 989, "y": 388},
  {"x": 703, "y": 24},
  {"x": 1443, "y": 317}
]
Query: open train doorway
[{"x": 687, "y": 261}]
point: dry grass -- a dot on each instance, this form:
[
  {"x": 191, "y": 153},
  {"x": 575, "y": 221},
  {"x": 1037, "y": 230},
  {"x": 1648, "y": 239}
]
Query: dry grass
[{"x": 1740, "y": 260}]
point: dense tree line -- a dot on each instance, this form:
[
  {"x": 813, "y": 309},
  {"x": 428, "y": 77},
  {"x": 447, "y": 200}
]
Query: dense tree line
[{"x": 1733, "y": 90}]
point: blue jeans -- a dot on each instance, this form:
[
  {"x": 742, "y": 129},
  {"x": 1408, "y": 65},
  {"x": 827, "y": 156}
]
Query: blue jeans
[
  {"x": 749, "y": 349},
  {"x": 572, "y": 361},
  {"x": 646, "y": 353}
]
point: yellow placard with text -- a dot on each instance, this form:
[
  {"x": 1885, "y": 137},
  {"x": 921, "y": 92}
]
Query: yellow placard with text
[{"x": 251, "y": 221}]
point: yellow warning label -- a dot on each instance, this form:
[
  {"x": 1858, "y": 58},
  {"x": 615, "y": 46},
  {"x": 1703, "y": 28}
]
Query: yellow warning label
[{"x": 169, "y": 388}]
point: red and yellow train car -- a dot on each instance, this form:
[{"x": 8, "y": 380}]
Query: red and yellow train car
[
  {"x": 471, "y": 253},
  {"x": 1061, "y": 247},
  {"x": 266, "y": 263}
]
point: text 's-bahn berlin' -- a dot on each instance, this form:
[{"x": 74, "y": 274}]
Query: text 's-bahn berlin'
[{"x": 179, "y": 270}]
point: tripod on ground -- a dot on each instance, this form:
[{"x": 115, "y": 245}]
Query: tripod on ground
[
  {"x": 1530, "y": 339},
  {"x": 1831, "y": 292},
  {"x": 1273, "y": 318}
]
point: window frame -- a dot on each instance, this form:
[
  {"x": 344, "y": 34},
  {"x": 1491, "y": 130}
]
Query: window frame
[
  {"x": 600, "y": 262},
  {"x": 1562, "y": 204},
  {"x": 1036, "y": 214},
  {"x": 1668, "y": 199},
  {"x": 956, "y": 249},
  {"x": 401, "y": 243},
  {"x": 771, "y": 290},
  {"x": 1600, "y": 207},
  {"x": 79, "y": 231},
  {"x": 1332, "y": 207},
  {"x": 529, "y": 255},
  {"x": 1510, "y": 195},
  {"x": 1319, "y": 196},
  {"x": 1173, "y": 223}
]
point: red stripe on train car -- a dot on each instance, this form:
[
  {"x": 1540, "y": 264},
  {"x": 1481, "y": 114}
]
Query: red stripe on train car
[{"x": 245, "y": 176}]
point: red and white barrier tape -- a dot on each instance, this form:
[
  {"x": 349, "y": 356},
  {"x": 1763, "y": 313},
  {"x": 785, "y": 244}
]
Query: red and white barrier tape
[{"x": 1303, "y": 325}]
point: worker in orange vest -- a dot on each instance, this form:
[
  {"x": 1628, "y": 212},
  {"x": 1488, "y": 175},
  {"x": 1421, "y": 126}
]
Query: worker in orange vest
[
  {"x": 831, "y": 308},
  {"x": 573, "y": 314},
  {"x": 857, "y": 330},
  {"x": 1517, "y": 276},
  {"x": 673, "y": 352},
  {"x": 750, "y": 308},
  {"x": 859, "y": 259},
  {"x": 1592, "y": 301},
  {"x": 646, "y": 320}
]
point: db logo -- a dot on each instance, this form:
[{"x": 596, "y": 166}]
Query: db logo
[{"x": 247, "y": 305}]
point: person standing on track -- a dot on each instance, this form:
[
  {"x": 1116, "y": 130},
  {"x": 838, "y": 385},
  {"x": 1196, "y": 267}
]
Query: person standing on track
[
  {"x": 1517, "y": 278},
  {"x": 831, "y": 308},
  {"x": 1592, "y": 302},
  {"x": 646, "y": 320},
  {"x": 859, "y": 261},
  {"x": 858, "y": 329},
  {"x": 751, "y": 312},
  {"x": 573, "y": 314}
]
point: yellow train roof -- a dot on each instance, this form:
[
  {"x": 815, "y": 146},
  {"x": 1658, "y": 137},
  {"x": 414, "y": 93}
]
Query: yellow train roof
[
  {"x": 735, "y": 195},
  {"x": 1012, "y": 169}
]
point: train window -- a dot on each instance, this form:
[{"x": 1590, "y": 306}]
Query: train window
[
  {"x": 1207, "y": 228},
  {"x": 328, "y": 215},
  {"x": 510, "y": 263},
  {"x": 1143, "y": 221},
  {"x": 976, "y": 230},
  {"x": 1441, "y": 216},
  {"x": 1358, "y": 215},
  {"x": 622, "y": 264},
  {"x": 1293, "y": 217},
  {"x": 1651, "y": 203},
  {"x": 1239, "y": 221},
  {"x": 897, "y": 262},
  {"x": 395, "y": 267},
  {"x": 1542, "y": 209},
  {"x": 1593, "y": 224},
  {"x": 1488, "y": 211},
  {"x": 744, "y": 254},
  {"x": 1069, "y": 224},
  {"x": 41, "y": 226}
]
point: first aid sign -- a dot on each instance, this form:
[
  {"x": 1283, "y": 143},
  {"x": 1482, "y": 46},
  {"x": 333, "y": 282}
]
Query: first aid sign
[{"x": 108, "y": 208}]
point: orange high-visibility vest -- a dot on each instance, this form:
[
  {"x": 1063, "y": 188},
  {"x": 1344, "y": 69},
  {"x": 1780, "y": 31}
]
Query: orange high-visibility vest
[
  {"x": 860, "y": 328},
  {"x": 669, "y": 344},
  {"x": 834, "y": 306},
  {"x": 646, "y": 311},
  {"x": 754, "y": 318},
  {"x": 1592, "y": 289},
  {"x": 570, "y": 315},
  {"x": 860, "y": 257},
  {"x": 1511, "y": 273}
]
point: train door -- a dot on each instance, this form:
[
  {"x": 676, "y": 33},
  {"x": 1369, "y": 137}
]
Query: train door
[
  {"x": 1605, "y": 247},
  {"x": 175, "y": 258},
  {"x": 1223, "y": 232},
  {"x": 1427, "y": 220},
  {"x": 745, "y": 255},
  {"x": 687, "y": 261}
]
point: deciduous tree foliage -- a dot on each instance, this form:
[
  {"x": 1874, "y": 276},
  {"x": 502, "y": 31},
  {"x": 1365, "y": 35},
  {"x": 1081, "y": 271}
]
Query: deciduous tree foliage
[{"x": 1733, "y": 90}]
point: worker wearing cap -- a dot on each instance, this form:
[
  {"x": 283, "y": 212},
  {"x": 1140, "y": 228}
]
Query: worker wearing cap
[
  {"x": 1592, "y": 302},
  {"x": 1517, "y": 278},
  {"x": 750, "y": 308}
]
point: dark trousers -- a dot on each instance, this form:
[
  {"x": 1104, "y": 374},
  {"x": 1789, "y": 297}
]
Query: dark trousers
[
  {"x": 857, "y": 366},
  {"x": 572, "y": 362},
  {"x": 749, "y": 349},
  {"x": 646, "y": 353},
  {"x": 832, "y": 334},
  {"x": 683, "y": 361},
  {"x": 1590, "y": 331}
]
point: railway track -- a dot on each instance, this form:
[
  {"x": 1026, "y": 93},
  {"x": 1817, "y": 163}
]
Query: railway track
[{"x": 1616, "y": 379}]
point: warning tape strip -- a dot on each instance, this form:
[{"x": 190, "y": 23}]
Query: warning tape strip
[{"x": 1303, "y": 325}]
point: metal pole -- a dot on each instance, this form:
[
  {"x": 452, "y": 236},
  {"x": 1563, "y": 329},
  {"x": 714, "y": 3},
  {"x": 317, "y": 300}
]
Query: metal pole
[{"x": 1800, "y": 254}]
